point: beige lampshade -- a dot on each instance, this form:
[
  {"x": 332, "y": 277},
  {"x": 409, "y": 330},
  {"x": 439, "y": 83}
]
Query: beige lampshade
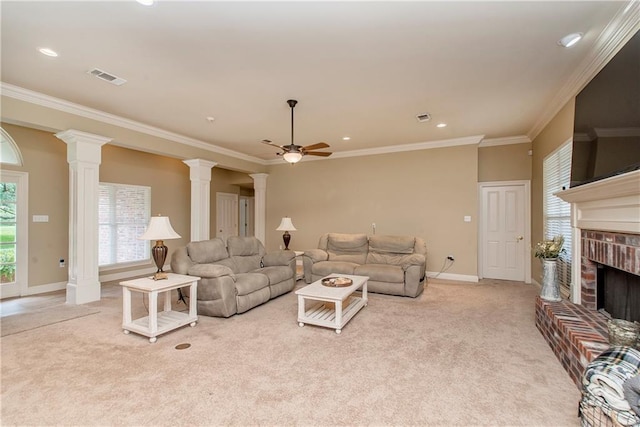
[
  {"x": 159, "y": 229},
  {"x": 286, "y": 225}
]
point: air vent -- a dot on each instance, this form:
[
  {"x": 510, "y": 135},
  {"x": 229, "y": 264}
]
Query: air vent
[
  {"x": 103, "y": 75},
  {"x": 424, "y": 117}
]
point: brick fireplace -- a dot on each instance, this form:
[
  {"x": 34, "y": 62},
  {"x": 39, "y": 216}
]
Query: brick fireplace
[{"x": 606, "y": 231}]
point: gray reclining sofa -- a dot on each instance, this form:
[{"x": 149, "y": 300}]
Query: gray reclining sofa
[
  {"x": 395, "y": 265},
  {"x": 236, "y": 277}
]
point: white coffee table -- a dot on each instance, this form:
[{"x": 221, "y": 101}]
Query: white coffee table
[
  {"x": 158, "y": 323},
  {"x": 333, "y": 315}
]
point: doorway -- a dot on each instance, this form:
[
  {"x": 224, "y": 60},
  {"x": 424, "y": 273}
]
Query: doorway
[
  {"x": 14, "y": 226},
  {"x": 504, "y": 231},
  {"x": 247, "y": 213}
]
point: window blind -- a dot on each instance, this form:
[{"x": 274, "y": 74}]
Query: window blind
[
  {"x": 123, "y": 215},
  {"x": 556, "y": 171}
]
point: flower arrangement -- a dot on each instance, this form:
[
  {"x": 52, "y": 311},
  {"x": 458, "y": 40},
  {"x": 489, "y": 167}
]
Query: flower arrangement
[{"x": 550, "y": 249}]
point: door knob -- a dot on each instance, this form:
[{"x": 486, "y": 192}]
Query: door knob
[{"x": 519, "y": 238}]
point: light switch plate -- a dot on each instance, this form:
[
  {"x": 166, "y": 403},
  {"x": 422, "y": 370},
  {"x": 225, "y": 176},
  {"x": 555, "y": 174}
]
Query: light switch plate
[
  {"x": 467, "y": 218},
  {"x": 41, "y": 218}
]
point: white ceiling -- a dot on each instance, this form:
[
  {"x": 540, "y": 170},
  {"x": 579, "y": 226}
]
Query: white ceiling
[{"x": 358, "y": 69}]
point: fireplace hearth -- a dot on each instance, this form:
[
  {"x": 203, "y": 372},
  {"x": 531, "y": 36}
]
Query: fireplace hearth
[{"x": 605, "y": 217}]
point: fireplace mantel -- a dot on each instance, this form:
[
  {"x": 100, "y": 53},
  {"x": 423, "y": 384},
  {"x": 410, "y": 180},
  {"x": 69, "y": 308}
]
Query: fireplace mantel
[{"x": 612, "y": 204}]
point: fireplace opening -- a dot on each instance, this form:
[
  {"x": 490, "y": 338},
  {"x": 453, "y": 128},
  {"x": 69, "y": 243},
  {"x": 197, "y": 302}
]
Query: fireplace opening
[{"x": 618, "y": 293}]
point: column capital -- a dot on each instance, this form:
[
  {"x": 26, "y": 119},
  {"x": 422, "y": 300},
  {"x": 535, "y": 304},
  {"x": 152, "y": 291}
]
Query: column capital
[
  {"x": 72, "y": 135},
  {"x": 200, "y": 169},
  {"x": 259, "y": 179},
  {"x": 83, "y": 146}
]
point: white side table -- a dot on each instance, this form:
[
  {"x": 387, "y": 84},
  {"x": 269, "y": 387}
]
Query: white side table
[{"x": 158, "y": 323}]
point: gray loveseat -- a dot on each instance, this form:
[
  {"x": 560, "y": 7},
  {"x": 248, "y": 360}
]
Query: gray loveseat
[
  {"x": 236, "y": 277},
  {"x": 395, "y": 265}
]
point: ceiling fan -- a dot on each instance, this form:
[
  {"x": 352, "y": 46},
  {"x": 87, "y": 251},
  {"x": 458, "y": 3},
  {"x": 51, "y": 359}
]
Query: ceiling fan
[{"x": 292, "y": 153}]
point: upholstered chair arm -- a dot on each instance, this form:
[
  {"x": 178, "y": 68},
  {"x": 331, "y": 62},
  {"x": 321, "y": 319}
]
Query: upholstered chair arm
[
  {"x": 316, "y": 255},
  {"x": 180, "y": 261},
  {"x": 414, "y": 259},
  {"x": 277, "y": 258},
  {"x": 211, "y": 271}
]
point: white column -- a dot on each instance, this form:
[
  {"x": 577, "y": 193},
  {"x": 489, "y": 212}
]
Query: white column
[
  {"x": 200, "y": 175},
  {"x": 260, "y": 194},
  {"x": 84, "y": 157}
]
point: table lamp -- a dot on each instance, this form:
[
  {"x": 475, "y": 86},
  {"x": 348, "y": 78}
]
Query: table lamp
[
  {"x": 159, "y": 229},
  {"x": 286, "y": 225}
]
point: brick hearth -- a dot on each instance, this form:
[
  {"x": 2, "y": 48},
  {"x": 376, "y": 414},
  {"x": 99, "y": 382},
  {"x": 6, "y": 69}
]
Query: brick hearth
[
  {"x": 578, "y": 333},
  {"x": 575, "y": 334}
]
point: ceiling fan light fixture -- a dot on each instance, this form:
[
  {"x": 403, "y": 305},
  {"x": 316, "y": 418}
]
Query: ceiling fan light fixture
[{"x": 292, "y": 157}]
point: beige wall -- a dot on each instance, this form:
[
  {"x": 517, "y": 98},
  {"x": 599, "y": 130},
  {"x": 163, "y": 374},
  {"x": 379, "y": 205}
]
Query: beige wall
[
  {"x": 558, "y": 131},
  {"x": 169, "y": 182},
  {"x": 425, "y": 193},
  {"x": 504, "y": 163},
  {"x": 45, "y": 159}
]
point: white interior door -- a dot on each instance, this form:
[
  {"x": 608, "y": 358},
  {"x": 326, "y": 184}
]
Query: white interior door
[
  {"x": 504, "y": 231},
  {"x": 226, "y": 215}
]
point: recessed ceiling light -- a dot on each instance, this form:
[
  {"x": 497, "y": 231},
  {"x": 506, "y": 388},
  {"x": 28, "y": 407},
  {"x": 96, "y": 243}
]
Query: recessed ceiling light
[
  {"x": 346, "y": 138},
  {"x": 441, "y": 125},
  {"x": 146, "y": 2},
  {"x": 570, "y": 39},
  {"x": 48, "y": 52}
]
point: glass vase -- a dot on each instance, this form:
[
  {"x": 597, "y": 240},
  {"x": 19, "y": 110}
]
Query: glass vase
[{"x": 550, "y": 286}]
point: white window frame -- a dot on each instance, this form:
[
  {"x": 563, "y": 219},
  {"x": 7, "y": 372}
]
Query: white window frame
[
  {"x": 146, "y": 260},
  {"x": 20, "y": 286},
  {"x": 556, "y": 176}
]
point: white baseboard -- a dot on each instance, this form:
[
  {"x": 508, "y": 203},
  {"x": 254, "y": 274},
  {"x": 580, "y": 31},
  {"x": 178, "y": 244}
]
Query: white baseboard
[
  {"x": 47, "y": 287},
  {"x": 451, "y": 276},
  {"x": 128, "y": 274},
  {"x": 52, "y": 287}
]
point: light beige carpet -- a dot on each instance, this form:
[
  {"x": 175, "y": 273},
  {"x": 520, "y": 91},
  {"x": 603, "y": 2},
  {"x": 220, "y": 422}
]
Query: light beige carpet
[
  {"x": 17, "y": 323},
  {"x": 461, "y": 354}
]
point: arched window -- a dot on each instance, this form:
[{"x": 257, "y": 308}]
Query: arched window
[{"x": 9, "y": 152}]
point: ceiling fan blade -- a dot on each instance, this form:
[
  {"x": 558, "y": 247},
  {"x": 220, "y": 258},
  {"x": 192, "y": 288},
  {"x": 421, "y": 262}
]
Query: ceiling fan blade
[
  {"x": 318, "y": 153},
  {"x": 266, "y": 141},
  {"x": 315, "y": 146}
]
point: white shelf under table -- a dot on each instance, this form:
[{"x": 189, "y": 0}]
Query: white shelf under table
[
  {"x": 158, "y": 323},
  {"x": 333, "y": 315}
]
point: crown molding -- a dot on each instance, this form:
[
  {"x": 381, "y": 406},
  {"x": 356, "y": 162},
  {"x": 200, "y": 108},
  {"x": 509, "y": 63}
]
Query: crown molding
[
  {"x": 47, "y": 101},
  {"x": 469, "y": 140},
  {"x": 492, "y": 142},
  {"x": 618, "y": 32}
]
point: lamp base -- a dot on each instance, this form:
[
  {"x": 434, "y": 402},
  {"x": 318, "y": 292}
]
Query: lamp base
[
  {"x": 159, "y": 252},
  {"x": 286, "y": 238}
]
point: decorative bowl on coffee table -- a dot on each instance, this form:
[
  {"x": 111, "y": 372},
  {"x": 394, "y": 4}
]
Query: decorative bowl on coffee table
[{"x": 337, "y": 282}]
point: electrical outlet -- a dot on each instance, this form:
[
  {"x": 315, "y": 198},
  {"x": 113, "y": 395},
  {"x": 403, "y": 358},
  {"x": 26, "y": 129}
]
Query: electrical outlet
[
  {"x": 451, "y": 258},
  {"x": 62, "y": 263}
]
